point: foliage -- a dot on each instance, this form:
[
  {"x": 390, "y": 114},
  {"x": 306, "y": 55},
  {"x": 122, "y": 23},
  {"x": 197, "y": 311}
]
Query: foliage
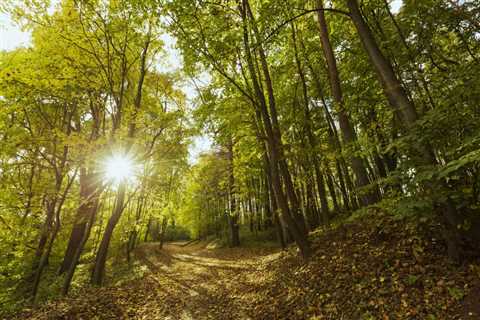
[{"x": 316, "y": 109}]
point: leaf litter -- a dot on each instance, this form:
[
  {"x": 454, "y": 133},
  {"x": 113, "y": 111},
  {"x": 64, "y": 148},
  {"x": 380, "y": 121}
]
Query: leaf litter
[{"x": 381, "y": 270}]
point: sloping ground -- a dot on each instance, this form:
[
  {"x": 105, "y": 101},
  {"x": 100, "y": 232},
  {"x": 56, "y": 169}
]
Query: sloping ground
[{"x": 377, "y": 269}]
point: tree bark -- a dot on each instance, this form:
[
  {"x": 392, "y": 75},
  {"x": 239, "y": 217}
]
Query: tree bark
[
  {"x": 76, "y": 257},
  {"x": 311, "y": 138},
  {"x": 162, "y": 231},
  {"x": 234, "y": 214},
  {"x": 296, "y": 226},
  {"x": 88, "y": 202},
  {"x": 406, "y": 111},
  {"x": 348, "y": 134},
  {"x": 102, "y": 253}
]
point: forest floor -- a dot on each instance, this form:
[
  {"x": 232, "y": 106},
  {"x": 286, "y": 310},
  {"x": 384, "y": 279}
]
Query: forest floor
[{"x": 379, "y": 270}]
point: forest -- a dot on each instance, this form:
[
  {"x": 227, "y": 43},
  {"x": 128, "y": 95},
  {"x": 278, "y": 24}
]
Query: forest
[{"x": 240, "y": 159}]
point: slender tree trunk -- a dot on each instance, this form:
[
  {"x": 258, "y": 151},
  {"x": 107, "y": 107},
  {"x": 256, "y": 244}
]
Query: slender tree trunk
[
  {"x": 234, "y": 212},
  {"x": 415, "y": 66},
  {"x": 147, "y": 230},
  {"x": 335, "y": 142},
  {"x": 99, "y": 268},
  {"x": 331, "y": 189},
  {"x": 297, "y": 228},
  {"x": 72, "y": 267},
  {"x": 314, "y": 219},
  {"x": 283, "y": 167},
  {"x": 45, "y": 244},
  {"x": 162, "y": 232},
  {"x": 392, "y": 87},
  {"x": 54, "y": 208},
  {"x": 323, "y": 195},
  {"x": 45, "y": 232},
  {"x": 311, "y": 138},
  {"x": 406, "y": 111},
  {"x": 88, "y": 201},
  {"x": 44, "y": 259},
  {"x": 102, "y": 253},
  {"x": 348, "y": 133},
  {"x": 281, "y": 236},
  {"x": 132, "y": 238},
  {"x": 30, "y": 194},
  {"x": 267, "y": 204}
]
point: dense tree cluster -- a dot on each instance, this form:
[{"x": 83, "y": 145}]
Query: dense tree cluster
[{"x": 327, "y": 107}]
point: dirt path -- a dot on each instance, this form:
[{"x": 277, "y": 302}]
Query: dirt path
[
  {"x": 354, "y": 275},
  {"x": 193, "y": 281},
  {"x": 201, "y": 283}
]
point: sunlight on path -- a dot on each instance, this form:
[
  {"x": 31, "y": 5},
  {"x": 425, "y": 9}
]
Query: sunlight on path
[{"x": 206, "y": 283}]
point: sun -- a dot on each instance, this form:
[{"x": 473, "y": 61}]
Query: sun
[{"x": 119, "y": 168}]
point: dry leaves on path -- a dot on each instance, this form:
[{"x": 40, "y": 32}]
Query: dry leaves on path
[{"x": 366, "y": 272}]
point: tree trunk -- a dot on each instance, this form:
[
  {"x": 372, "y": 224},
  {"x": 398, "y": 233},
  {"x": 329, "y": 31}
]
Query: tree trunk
[
  {"x": 162, "y": 232},
  {"x": 45, "y": 232},
  {"x": 45, "y": 246},
  {"x": 54, "y": 209},
  {"x": 392, "y": 87},
  {"x": 147, "y": 230},
  {"x": 334, "y": 141},
  {"x": 88, "y": 202},
  {"x": 101, "y": 257},
  {"x": 297, "y": 228},
  {"x": 311, "y": 138},
  {"x": 348, "y": 134},
  {"x": 72, "y": 267},
  {"x": 100, "y": 260},
  {"x": 406, "y": 111},
  {"x": 234, "y": 214}
]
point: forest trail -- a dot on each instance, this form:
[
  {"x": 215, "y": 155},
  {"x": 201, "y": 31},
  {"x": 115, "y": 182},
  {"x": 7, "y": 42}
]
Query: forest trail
[
  {"x": 371, "y": 269},
  {"x": 202, "y": 283},
  {"x": 192, "y": 280}
]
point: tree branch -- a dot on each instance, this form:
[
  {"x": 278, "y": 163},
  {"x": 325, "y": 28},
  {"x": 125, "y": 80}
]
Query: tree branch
[{"x": 286, "y": 22}]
